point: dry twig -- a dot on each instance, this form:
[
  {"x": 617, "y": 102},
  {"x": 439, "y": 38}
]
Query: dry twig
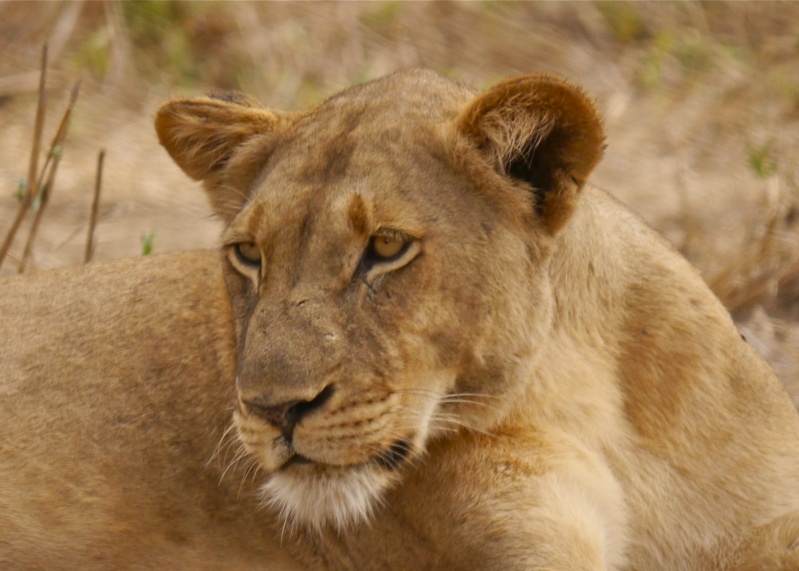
[
  {"x": 34, "y": 161},
  {"x": 46, "y": 185},
  {"x": 95, "y": 206}
]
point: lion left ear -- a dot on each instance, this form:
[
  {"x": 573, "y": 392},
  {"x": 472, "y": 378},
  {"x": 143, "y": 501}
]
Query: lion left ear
[
  {"x": 208, "y": 137},
  {"x": 542, "y": 131}
]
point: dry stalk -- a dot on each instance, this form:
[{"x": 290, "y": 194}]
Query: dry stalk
[
  {"x": 689, "y": 220},
  {"x": 95, "y": 207},
  {"x": 758, "y": 268},
  {"x": 764, "y": 267},
  {"x": 65, "y": 26},
  {"x": 46, "y": 185},
  {"x": 121, "y": 48},
  {"x": 30, "y": 194}
]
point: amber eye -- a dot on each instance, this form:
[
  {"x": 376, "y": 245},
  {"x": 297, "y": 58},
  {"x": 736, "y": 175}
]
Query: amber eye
[
  {"x": 248, "y": 253},
  {"x": 389, "y": 250},
  {"x": 387, "y": 247}
]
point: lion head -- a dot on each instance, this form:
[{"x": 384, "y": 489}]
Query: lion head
[{"x": 385, "y": 254}]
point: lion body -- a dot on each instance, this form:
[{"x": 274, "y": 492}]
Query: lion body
[
  {"x": 519, "y": 375},
  {"x": 116, "y": 383}
]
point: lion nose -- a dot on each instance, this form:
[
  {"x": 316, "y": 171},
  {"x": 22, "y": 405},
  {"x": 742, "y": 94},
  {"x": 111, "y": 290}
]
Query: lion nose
[{"x": 286, "y": 415}]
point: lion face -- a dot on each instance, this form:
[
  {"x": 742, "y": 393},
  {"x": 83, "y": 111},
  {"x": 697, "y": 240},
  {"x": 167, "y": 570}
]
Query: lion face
[{"x": 386, "y": 258}]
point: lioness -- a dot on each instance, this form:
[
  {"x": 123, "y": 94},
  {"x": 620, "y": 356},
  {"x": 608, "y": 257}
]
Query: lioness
[
  {"x": 448, "y": 354},
  {"x": 421, "y": 293}
]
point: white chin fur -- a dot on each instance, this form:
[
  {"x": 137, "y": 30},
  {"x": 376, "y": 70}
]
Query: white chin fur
[{"x": 339, "y": 496}]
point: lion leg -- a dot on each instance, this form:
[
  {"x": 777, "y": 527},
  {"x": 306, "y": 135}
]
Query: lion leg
[
  {"x": 545, "y": 503},
  {"x": 565, "y": 526},
  {"x": 773, "y": 546}
]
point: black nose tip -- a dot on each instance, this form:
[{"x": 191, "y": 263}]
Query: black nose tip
[{"x": 286, "y": 415}]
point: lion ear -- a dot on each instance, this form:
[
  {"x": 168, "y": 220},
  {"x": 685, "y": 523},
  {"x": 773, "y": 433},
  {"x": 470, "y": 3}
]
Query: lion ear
[
  {"x": 542, "y": 131},
  {"x": 205, "y": 135}
]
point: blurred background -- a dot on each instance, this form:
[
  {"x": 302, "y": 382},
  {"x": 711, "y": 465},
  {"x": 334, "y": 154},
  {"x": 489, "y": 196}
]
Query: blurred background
[{"x": 700, "y": 99}]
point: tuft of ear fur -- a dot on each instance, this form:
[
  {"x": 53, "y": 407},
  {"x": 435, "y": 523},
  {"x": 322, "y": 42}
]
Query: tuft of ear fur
[
  {"x": 204, "y": 134},
  {"x": 542, "y": 131}
]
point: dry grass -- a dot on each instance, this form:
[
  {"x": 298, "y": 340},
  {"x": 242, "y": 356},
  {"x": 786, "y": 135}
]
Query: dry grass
[{"x": 701, "y": 103}]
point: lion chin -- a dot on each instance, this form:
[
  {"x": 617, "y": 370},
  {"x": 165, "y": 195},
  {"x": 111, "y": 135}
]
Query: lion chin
[
  {"x": 317, "y": 495},
  {"x": 313, "y": 490}
]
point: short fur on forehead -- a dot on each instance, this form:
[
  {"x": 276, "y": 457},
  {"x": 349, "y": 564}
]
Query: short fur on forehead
[{"x": 536, "y": 129}]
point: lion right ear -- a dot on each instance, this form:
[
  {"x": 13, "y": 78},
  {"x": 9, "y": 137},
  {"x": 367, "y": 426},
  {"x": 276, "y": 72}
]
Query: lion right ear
[
  {"x": 203, "y": 135},
  {"x": 542, "y": 132}
]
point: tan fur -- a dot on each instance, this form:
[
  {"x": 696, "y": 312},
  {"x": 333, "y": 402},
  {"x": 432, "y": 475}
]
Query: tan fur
[
  {"x": 619, "y": 419},
  {"x": 539, "y": 382},
  {"x": 115, "y": 387}
]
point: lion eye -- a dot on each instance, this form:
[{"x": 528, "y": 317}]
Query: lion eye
[
  {"x": 389, "y": 250},
  {"x": 248, "y": 253},
  {"x": 387, "y": 247}
]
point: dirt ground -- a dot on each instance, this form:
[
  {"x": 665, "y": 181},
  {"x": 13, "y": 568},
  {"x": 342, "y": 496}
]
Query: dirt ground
[{"x": 701, "y": 105}]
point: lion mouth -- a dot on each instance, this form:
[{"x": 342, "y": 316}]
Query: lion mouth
[
  {"x": 296, "y": 460},
  {"x": 324, "y": 473},
  {"x": 389, "y": 459},
  {"x": 316, "y": 494}
]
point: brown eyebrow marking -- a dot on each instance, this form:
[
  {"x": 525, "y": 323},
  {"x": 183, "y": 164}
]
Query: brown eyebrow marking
[
  {"x": 358, "y": 215},
  {"x": 257, "y": 218}
]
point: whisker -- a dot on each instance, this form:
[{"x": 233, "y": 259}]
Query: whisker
[
  {"x": 458, "y": 400},
  {"x": 234, "y": 190},
  {"x": 253, "y": 463},
  {"x": 443, "y": 417},
  {"x": 465, "y": 425},
  {"x": 454, "y": 398},
  {"x": 228, "y": 446},
  {"x": 258, "y": 470},
  {"x": 283, "y": 530},
  {"x": 219, "y": 447},
  {"x": 478, "y": 395},
  {"x": 443, "y": 396},
  {"x": 419, "y": 392},
  {"x": 411, "y": 457},
  {"x": 254, "y": 467},
  {"x": 240, "y": 455}
]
